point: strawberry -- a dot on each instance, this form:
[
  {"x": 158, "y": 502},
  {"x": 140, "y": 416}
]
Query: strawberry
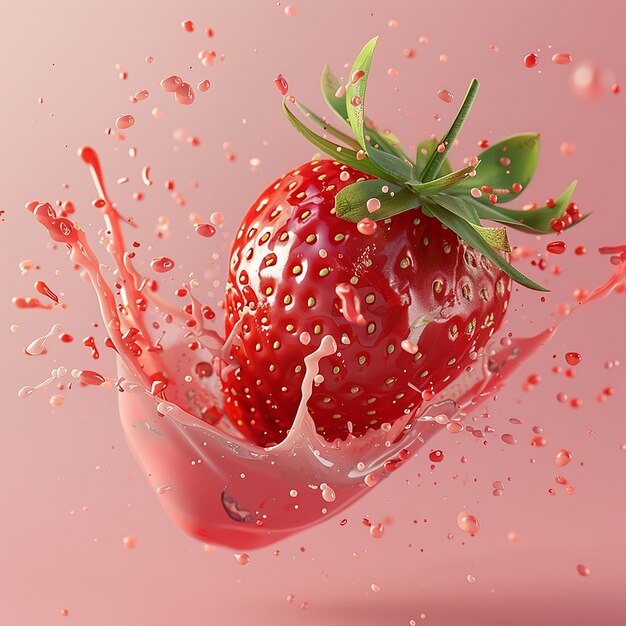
[
  {"x": 413, "y": 280},
  {"x": 410, "y": 298}
]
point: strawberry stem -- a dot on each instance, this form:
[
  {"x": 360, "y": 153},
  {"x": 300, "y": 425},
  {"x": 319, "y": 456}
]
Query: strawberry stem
[{"x": 453, "y": 198}]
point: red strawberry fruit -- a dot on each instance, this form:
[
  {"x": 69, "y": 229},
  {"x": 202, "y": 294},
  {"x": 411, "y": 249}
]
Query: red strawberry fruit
[{"x": 386, "y": 255}]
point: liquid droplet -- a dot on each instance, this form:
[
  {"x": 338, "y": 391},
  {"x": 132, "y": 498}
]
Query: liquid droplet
[
  {"x": 350, "y": 304},
  {"x": 366, "y": 226},
  {"x": 573, "y": 358},
  {"x": 89, "y": 377},
  {"x": 468, "y": 523},
  {"x": 184, "y": 94},
  {"x": 373, "y": 204},
  {"x": 377, "y": 530},
  {"x": 90, "y": 342},
  {"x": 171, "y": 83},
  {"x": 57, "y": 401},
  {"x": 162, "y": 264},
  {"x": 583, "y": 570},
  {"x": 436, "y": 456},
  {"x": 328, "y": 494},
  {"x": 562, "y": 58},
  {"x": 531, "y": 60},
  {"x": 445, "y": 95},
  {"x": 37, "y": 346},
  {"x": 590, "y": 81},
  {"x": 562, "y": 458},
  {"x": 556, "y": 247},
  {"x": 24, "y": 392},
  {"x": 281, "y": 85},
  {"x": 205, "y": 230},
  {"x": 44, "y": 290},
  {"x": 124, "y": 121}
]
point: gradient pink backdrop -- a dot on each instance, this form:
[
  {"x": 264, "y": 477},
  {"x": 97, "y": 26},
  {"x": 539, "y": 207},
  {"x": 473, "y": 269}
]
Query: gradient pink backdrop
[{"x": 55, "y": 461}]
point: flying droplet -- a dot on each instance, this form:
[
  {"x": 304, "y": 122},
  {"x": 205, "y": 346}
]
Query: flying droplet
[
  {"x": 556, "y": 247},
  {"x": 377, "y": 530},
  {"x": 573, "y": 358},
  {"x": 130, "y": 542},
  {"x": 562, "y": 58},
  {"x": 171, "y": 83},
  {"x": 281, "y": 85},
  {"x": 205, "y": 230},
  {"x": 124, "y": 121},
  {"x": 563, "y": 458},
  {"x": 583, "y": 570},
  {"x": 468, "y": 523},
  {"x": 162, "y": 264},
  {"x": 184, "y": 94},
  {"x": 531, "y": 60}
]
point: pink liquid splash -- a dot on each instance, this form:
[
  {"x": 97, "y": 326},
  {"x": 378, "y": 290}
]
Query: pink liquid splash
[{"x": 214, "y": 484}]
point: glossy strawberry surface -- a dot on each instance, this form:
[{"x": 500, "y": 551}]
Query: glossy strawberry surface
[{"x": 413, "y": 279}]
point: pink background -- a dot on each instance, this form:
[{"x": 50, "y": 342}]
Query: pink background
[{"x": 54, "y": 462}]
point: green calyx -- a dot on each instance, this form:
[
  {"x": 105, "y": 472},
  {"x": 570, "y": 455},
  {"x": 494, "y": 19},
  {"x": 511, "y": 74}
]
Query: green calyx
[{"x": 458, "y": 199}]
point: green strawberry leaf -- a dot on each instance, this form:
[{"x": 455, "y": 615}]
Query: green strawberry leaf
[
  {"x": 457, "y": 206},
  {"x": 387, "y": 141},
  {"x": 344, "y": 155},
  {"x": 473, "y": 238},
  {"x": 437, "y": 158},
  {"x": 394, "y": 166},
  {"x": 423, "y": 154},
  {"x": 496, "y": 236},
  {"x": 442, "y": 183},
  {"x": 356, "y": 91},
  {"x": 351, "y": 201},
  {"x": 532, "y": 221},
  {"x": 330, "y": 86},
  {"x": 407, "y": 186},
  {"x": 512, "y": 160},
  {"x": 331, "y": 130}
]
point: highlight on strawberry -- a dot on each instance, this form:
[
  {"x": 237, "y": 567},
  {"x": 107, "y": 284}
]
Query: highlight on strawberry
[{"x": 387, "y": 255}]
